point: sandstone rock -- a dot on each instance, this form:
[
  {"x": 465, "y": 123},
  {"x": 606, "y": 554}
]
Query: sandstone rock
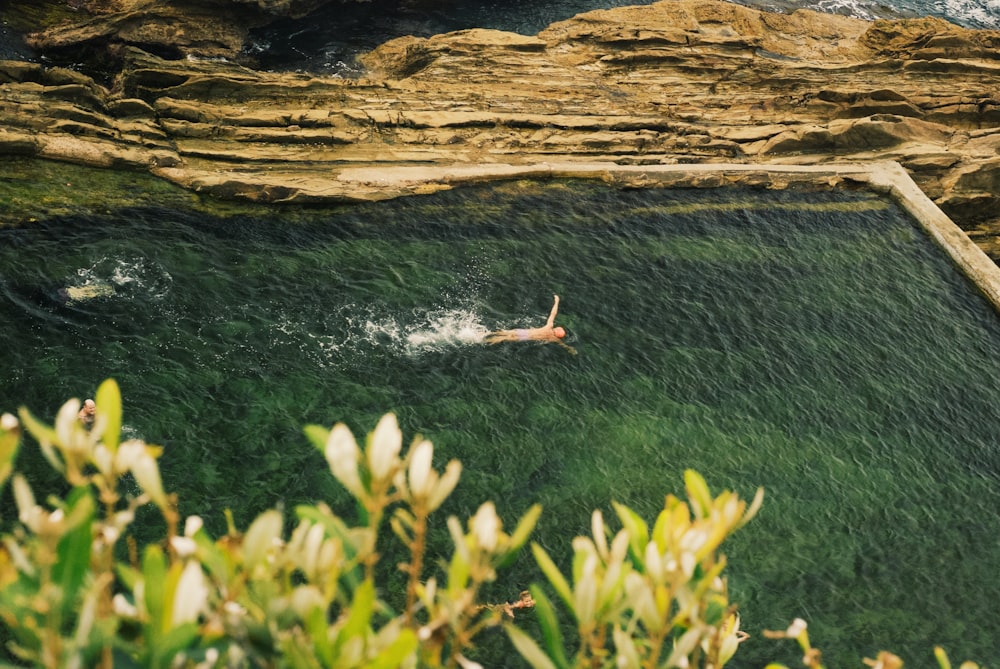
[
  {"x": 676, "y": 82},
  {"x": 930, "y": 38},
  {"x": 205, "y": 28},
  {"x": 971, "y": 191},
  {"x": 129, "y": 107},
  {"x": 171, "y": 28}
]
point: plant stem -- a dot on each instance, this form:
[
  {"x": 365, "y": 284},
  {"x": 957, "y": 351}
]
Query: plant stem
[{"x": 417, "y": 548}]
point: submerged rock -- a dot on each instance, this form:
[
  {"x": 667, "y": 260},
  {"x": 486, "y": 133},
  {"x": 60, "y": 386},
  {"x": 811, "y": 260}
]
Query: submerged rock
[{"x": 679, "y": 81}]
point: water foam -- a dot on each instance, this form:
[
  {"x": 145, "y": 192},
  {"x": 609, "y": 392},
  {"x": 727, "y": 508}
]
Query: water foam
[
  {"x": 977, "y": 13},
  {"x": 856, "y": 8},
  {"x": 126, "y": 277},
  {"x": 443, "y": 329},
  {"x": 355, "y": 330},
  {"x": 967, "y": 13}
]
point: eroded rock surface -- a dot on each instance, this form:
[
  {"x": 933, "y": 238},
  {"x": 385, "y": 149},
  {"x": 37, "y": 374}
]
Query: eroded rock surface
[
  {"x": 203, "y": 28},
  {"x": 680, "y": 81}
]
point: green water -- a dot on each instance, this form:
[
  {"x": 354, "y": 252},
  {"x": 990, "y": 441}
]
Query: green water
[{"x": 815, "y": 344}]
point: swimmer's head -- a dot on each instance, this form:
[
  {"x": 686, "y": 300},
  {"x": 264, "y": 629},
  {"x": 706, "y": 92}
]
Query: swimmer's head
[{"x": 559, "y": 331}]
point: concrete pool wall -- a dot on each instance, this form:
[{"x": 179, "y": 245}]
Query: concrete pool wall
[{"x": 887, "y": 177}]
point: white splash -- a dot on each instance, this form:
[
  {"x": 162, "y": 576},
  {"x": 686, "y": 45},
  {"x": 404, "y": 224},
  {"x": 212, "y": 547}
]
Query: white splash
[
  {"x": 445, "y": 329},
  {"x": 970, "y": 13},
  {"x": 112, "y": 276},
  {"x": 855, "y": 8},
  {"x": 362, "y": 330},
  {"x": 979, "y": 13}
]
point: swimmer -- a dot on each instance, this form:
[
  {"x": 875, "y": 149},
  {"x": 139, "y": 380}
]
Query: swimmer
[
  {"x": 87, "y": 411},
  {"x": 546, "y": 334},
  {"x": 75, "y": 294}
]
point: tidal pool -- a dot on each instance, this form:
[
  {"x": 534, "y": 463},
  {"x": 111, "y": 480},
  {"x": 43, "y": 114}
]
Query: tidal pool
[{"x": 817, "y": 344}]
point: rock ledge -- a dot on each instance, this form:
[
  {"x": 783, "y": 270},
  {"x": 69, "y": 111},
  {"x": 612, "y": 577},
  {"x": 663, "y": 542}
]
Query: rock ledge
[{"x": 676, "y": 82}]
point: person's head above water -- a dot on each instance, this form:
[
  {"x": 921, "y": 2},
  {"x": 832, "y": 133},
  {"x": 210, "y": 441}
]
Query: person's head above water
[
  {"x": 87, "y": 413},
  {"x": 559, "y": 331}
]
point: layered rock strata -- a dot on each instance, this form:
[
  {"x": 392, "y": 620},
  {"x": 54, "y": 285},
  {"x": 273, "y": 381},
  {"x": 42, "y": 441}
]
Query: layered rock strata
[
  {"x": 204, "y": 28},
  {"x": 680, "y": 81}
]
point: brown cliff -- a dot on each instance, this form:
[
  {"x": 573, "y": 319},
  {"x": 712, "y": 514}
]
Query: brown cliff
[{"x": 680, "y": 81}]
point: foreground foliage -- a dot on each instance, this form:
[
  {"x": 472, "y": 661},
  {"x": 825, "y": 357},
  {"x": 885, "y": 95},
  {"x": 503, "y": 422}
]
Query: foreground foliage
[{"x": 75, "y": 591}]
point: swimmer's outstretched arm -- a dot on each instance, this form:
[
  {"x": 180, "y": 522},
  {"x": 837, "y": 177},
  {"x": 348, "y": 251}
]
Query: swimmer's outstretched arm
[{"x": 552, "y": 315}]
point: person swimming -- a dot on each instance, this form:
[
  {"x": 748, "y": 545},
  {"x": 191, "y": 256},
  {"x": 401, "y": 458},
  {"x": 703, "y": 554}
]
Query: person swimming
[
  {"x": 77, "y": 294},
  {"x": 546, "y": 334},
  {"x": 87, "y": 413}
]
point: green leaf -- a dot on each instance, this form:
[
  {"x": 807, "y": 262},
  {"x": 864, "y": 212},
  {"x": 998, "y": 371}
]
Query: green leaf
[
  {"x": 122, "y": 659},
  {"x": 638, "y": 531},
  {"x": 260, "y": 537},
  {"x": 360, "y": 616},
  {"x": 705, "y": 578},
  {"x": 80, "y": 508},
  {"x": 549, "y": 622},
  {"x": 748, "y": 515},
  {"x": 698, "y": 492},
  {"x": 37, "y": 428},
  {"x": 170, "y": 595},
  {"x": 942, "y": 658},
  {"x": 521, "y": 533},
  {"x": 528, "y": 649},
  {"x": 396, "y": 653},
  {"x": 109, "y": 405},
  {"x": 458, "y": 572},
  {"x": 26, "y": 622},
  {"x": 213, "y": 559},
  {"x": 401, "y": 528},
  {"x": 172, "y": 643},
  {"x": 73, "y": 561},
  {"x": 552, "y": 573},
  {"x": 296, "y": 655},
  {"x": 318, "y": 435},
  {"x": 44, "y": 435},
  {"x": 127, "y": 574},
  {"x": 715, "y": 611},
  {"x": 154, "y": 576},
  {"x": 9, "y": 441},
  {"x": 316, "y": 625}
]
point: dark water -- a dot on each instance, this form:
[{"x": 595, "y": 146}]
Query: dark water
[
  {"x": 330, "y": 40},
  {"x": 815, "y": 344},
  {"x": 12, "y": 46}
]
